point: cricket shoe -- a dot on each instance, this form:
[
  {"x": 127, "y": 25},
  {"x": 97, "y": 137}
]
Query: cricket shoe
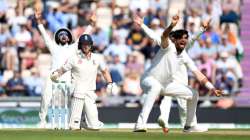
[
  {"x": 139, "y": 128},
  {"x": 195, "y": 128},
  {"x": 93, "y": 128},
  {"x": 42, "y": 124},
  {"x": 74, "y": 129},
  {"x": 162, "y": 124}
]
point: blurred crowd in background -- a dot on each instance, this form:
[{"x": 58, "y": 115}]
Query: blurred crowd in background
[{"x": 25, "y": 60}]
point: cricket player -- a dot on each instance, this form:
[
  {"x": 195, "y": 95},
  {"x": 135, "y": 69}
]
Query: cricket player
[
  {"x": 84, "y": 67},
  {"x": 61, "y": 49},
  {"x": 160, "y": 81},
  {"x": 165, "y": 105}
]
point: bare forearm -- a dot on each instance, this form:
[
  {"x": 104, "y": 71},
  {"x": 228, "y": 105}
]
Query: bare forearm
[
  {"x": 107, "y": 76},
  {"x": 167, "y": 30},
  {"x": 203, "y": 80},
  {"x": 165, "y": 36}
]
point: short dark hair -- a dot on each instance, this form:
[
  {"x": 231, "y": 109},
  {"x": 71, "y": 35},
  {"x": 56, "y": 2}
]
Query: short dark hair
[
  {"x": 171, "y": 34},
  {"x": 179, "y": 33}
]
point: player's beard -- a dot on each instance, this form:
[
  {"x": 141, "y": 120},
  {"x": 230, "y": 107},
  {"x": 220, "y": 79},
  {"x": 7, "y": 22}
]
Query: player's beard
[
  {"x": 64, "y": 40},
  {"x": 179, "y": 50}
]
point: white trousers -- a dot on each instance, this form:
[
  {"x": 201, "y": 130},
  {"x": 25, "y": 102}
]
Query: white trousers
[
  {"x": 47, "y": 97},
  {"x": 45, "y": 100},
  {"x": 87, "y": 106},
  {"x": 153, "y": 89},
  {"x": 165, "y": 107}
]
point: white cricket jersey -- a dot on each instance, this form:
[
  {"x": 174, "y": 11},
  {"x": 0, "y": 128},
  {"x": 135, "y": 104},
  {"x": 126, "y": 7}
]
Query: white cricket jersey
[
  {"x": 184, "y": 62},
  {"x": 163, "y": 65},
  {"x": 60, "y": 53},
  {"x": 84, "y": 71}
]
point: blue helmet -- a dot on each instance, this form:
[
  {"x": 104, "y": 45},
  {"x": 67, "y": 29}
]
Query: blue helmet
[{"x": 85, "y": 39}]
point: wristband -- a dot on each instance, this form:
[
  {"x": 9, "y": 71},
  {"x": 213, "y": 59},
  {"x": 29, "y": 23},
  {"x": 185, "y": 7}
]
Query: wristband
[{"x": 209, "y": 85}]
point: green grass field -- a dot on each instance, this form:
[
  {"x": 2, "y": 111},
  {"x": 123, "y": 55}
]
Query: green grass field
[{"x": 122, "y": 134}]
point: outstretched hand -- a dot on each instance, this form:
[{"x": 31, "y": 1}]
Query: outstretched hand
[
  {"x": 38, "y": 15},
  {"x": 175, "y": 19},
  {"x": 138, "y": 20},
  {"x": 217, "y": 92},
  {"x": 206, "y": 24}
]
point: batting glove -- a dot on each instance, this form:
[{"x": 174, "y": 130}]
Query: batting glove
[{"x": 112, "y": 88}]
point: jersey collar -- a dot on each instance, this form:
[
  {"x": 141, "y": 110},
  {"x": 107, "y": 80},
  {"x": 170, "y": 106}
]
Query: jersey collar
[{"x": 82, "y": 55}]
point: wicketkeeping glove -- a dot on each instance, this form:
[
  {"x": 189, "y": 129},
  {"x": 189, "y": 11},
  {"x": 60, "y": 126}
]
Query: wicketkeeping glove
[{"x": 54, "y": 76}]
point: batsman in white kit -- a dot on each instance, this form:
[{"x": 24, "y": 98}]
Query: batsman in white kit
[
  {"x": 61, "y": 49},
  {"x": 84, "y": 67},
  {"x": 162, "y": 77}
]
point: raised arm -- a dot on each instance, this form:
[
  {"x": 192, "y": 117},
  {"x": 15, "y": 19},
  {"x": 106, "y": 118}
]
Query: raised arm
[
  {"x": 152, "y": 35},
  {"x": 204, "y": 27},
  {"x": 165, "y": 34},
  {"x": 89, "y": 28},
  {"x": 48, "y": 41}
]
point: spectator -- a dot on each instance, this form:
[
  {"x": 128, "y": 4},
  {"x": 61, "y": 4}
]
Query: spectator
[
  {"x": 137, "y": 38},
  {"x": 3, "y": 8},
  {"x": 195, "y": 19},
  {"x": 100, "y": 38},
  {"x": 208, "y": 66},
  {"x": 53, "y": 22},
  {"x": 224, "y": 82},
  {"x": 214, "y": 36},
  {"x": 10, "y": 57},
  {"x": 28, "y": 56},
  {"x": 2, "y": 87},
  {"x": 117, "y": 70},
  {"x": 133, "y": 65},
  {"x": 159, "y": 4},
  {"x": 34, "y": 83},
  {"x": 4, "y": 35},
  {"x": 225, "y": 46},
  {"x": 131, "y": 85},
  {"x": 232, "y": 68},
  {"x": 210, "y": 49},
  {"x": 229, "y": 12},
  {"x": 118, "y": 48},
  {"x": 16, "y": 86},
  {"x": 143, "y": 5},
  {"x": 230, "y": 35}
]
